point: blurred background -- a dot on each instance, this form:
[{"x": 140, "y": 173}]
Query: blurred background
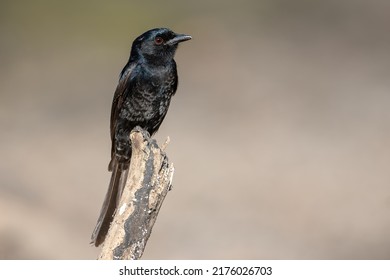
[{"x": 279, "y": 130}]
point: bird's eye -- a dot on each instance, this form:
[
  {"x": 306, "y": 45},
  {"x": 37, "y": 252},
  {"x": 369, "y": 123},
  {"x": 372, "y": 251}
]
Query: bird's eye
[{"x": 158, "y": 40}]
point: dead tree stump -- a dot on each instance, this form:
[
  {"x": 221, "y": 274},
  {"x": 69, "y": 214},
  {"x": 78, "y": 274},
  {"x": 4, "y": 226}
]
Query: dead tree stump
[{"x": 148, "y": 182}]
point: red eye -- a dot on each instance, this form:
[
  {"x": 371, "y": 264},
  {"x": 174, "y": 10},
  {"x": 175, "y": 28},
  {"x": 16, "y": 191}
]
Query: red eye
[{"x": 158, "y": 40}]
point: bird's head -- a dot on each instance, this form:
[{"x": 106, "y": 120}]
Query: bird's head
[{"x": 157, "y": 45}]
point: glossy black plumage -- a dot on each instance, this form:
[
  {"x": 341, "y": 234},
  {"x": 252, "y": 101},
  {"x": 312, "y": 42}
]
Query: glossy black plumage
[{"x": 142, "y": 97}]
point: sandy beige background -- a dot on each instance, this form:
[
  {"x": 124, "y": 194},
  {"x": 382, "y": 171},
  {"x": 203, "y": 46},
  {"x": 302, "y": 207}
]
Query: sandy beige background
[{"x": 279, "y": 130}]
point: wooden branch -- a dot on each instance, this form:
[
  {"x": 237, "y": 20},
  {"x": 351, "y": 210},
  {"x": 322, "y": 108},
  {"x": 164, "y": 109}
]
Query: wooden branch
[{"x": 148, "y": 182}]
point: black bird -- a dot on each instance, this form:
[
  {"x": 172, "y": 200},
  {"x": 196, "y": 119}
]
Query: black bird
[{"x": 142, "y": 97}]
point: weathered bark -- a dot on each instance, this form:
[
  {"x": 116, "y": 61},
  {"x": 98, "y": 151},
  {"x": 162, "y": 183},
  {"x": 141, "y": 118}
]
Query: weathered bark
[{"x": 148, "y": 182}]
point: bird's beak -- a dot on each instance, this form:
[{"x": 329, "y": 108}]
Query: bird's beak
[{"x": 179, "y": 38}]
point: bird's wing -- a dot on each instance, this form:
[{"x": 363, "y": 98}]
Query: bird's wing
[{"x": 119, "y": 96}]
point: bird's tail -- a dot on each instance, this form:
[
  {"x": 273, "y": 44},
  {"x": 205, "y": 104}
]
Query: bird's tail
[{"x": 111, "y": 201}]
